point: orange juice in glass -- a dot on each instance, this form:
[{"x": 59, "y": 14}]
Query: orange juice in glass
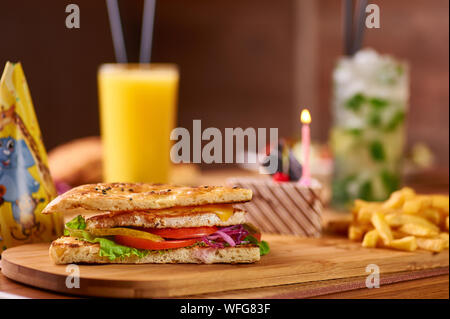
[{"x": 137, "y": 114}]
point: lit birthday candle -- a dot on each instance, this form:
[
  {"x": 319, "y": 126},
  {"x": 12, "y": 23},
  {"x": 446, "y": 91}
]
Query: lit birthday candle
[{"x": 305, "y": 118}]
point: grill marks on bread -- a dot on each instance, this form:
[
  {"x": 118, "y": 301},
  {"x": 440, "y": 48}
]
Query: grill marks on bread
[{"x": 140, "y": 196}]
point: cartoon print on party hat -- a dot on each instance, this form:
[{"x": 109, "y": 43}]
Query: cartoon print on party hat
[
  {"x": 26, "y": 185},
  {"x": 7, "y": 116},
  {"x": 18, "y": 184},
  {"x": 10, "y": 116}
]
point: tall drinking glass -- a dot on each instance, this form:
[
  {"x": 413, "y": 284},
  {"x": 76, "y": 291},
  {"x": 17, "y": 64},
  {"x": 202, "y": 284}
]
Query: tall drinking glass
[
  {"x": 137, "y": 113},
  {"x": 370, "y": 102}
]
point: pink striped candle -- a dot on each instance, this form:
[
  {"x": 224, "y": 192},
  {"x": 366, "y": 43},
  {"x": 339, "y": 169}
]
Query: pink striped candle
[{"x": 305, "y": 118}]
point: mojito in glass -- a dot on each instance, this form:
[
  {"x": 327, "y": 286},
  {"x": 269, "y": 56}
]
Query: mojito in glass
[{"x": 370, "y": 101}]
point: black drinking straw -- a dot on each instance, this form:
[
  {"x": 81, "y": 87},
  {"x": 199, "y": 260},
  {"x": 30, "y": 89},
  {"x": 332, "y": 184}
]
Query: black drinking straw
[
  {"x": 348, "y": 25},
  {"x": 116, "y": 31},
  {"x": 148, "y": 18},
  {"x": 360, "y": 26}
]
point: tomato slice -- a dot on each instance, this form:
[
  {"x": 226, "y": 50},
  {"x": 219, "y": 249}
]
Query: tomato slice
[
  {"x": 253, "y": 231},
  {"x": 181, "y": 233},
  {"x": 141, "y": 243}
]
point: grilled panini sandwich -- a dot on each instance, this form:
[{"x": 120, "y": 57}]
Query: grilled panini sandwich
[{"x": 146, "y": 223}]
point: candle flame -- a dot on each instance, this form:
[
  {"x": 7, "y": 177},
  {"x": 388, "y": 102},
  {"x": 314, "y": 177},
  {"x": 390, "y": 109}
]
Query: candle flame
[{"x": 305, "y": 117}]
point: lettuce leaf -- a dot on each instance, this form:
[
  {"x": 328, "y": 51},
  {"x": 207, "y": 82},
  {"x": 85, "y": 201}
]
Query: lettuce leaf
[
  {"x": 112, "y": 250},
  {"x": 76, "y": 223},
  {"x": 264, "y": 248},
  {"x": 108, "y": 248}
]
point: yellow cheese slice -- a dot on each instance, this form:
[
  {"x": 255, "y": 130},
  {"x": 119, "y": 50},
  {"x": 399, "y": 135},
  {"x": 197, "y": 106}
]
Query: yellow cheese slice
[
  {"x": 126, "y": 232},
  {"x": 223, "y": 211}
]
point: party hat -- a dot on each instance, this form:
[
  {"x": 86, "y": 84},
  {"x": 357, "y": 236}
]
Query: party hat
[{"x": 26, "y": 186}]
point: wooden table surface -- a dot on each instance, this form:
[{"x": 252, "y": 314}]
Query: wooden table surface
[
  {"x": 420, "y": 285},
  {"x": 435, "y": 287}
]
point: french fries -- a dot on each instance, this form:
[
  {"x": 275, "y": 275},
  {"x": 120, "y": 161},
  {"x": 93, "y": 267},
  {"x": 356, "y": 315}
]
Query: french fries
[
  {"x": 416, "y": 204},
  {"x": 408, "y": 243},
  {"x": 432, "y": 215},
  {"x": 406, "y": 221},
  {"x": 382, "y": 227},
  {"x": 356, "y": 232},
  {"x": 371, "y": 239},
  {"x": 398, "y": 198},
  {"x": 440, "y": 202},
  {"x": 432, "y": 244},
  {"x": 418, "y": 230},
  {"x": 397, "y": 220},
  {"x": 444, "y": 237}
]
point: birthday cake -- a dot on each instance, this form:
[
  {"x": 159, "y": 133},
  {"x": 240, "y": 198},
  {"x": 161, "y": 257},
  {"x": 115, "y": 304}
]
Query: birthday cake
[
  {"x": 281, "y": 204},
  {"x": 283, "y": 207}
]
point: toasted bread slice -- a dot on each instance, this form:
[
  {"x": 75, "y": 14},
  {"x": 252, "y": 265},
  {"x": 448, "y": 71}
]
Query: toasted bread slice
[
  {"x": 139, "y": 196},
  {"x": 172, "y": 218},
  {"x": 67, "y": 250}
]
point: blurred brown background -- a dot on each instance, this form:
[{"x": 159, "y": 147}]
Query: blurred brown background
[{"x": 247, "y": 63}]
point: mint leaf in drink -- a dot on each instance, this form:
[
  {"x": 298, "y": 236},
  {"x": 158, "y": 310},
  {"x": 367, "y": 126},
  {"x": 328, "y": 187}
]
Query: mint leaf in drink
[
  {"x": 378, "y": 103},
  {"x": 395, "y": 121},
  {"x": 374, "y": 119},
  {"x": 365, "y": 191},
  {"x": 391, "y": 182},
  {"x": 355, "y": 102},
  {"x": 340, "y": 194},
  {"x": 377, "y": 151},
  {"x": 355, "y": 131},
  {"x": 340, "y": 187}
]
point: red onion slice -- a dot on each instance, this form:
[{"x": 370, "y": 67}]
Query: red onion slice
[
  {"x": 232, "y": 235},
  {"x": 227, "y": 238}
]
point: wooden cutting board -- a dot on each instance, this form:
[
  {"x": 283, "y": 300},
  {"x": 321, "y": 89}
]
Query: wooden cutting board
[{"x": 291, "y": 260}]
